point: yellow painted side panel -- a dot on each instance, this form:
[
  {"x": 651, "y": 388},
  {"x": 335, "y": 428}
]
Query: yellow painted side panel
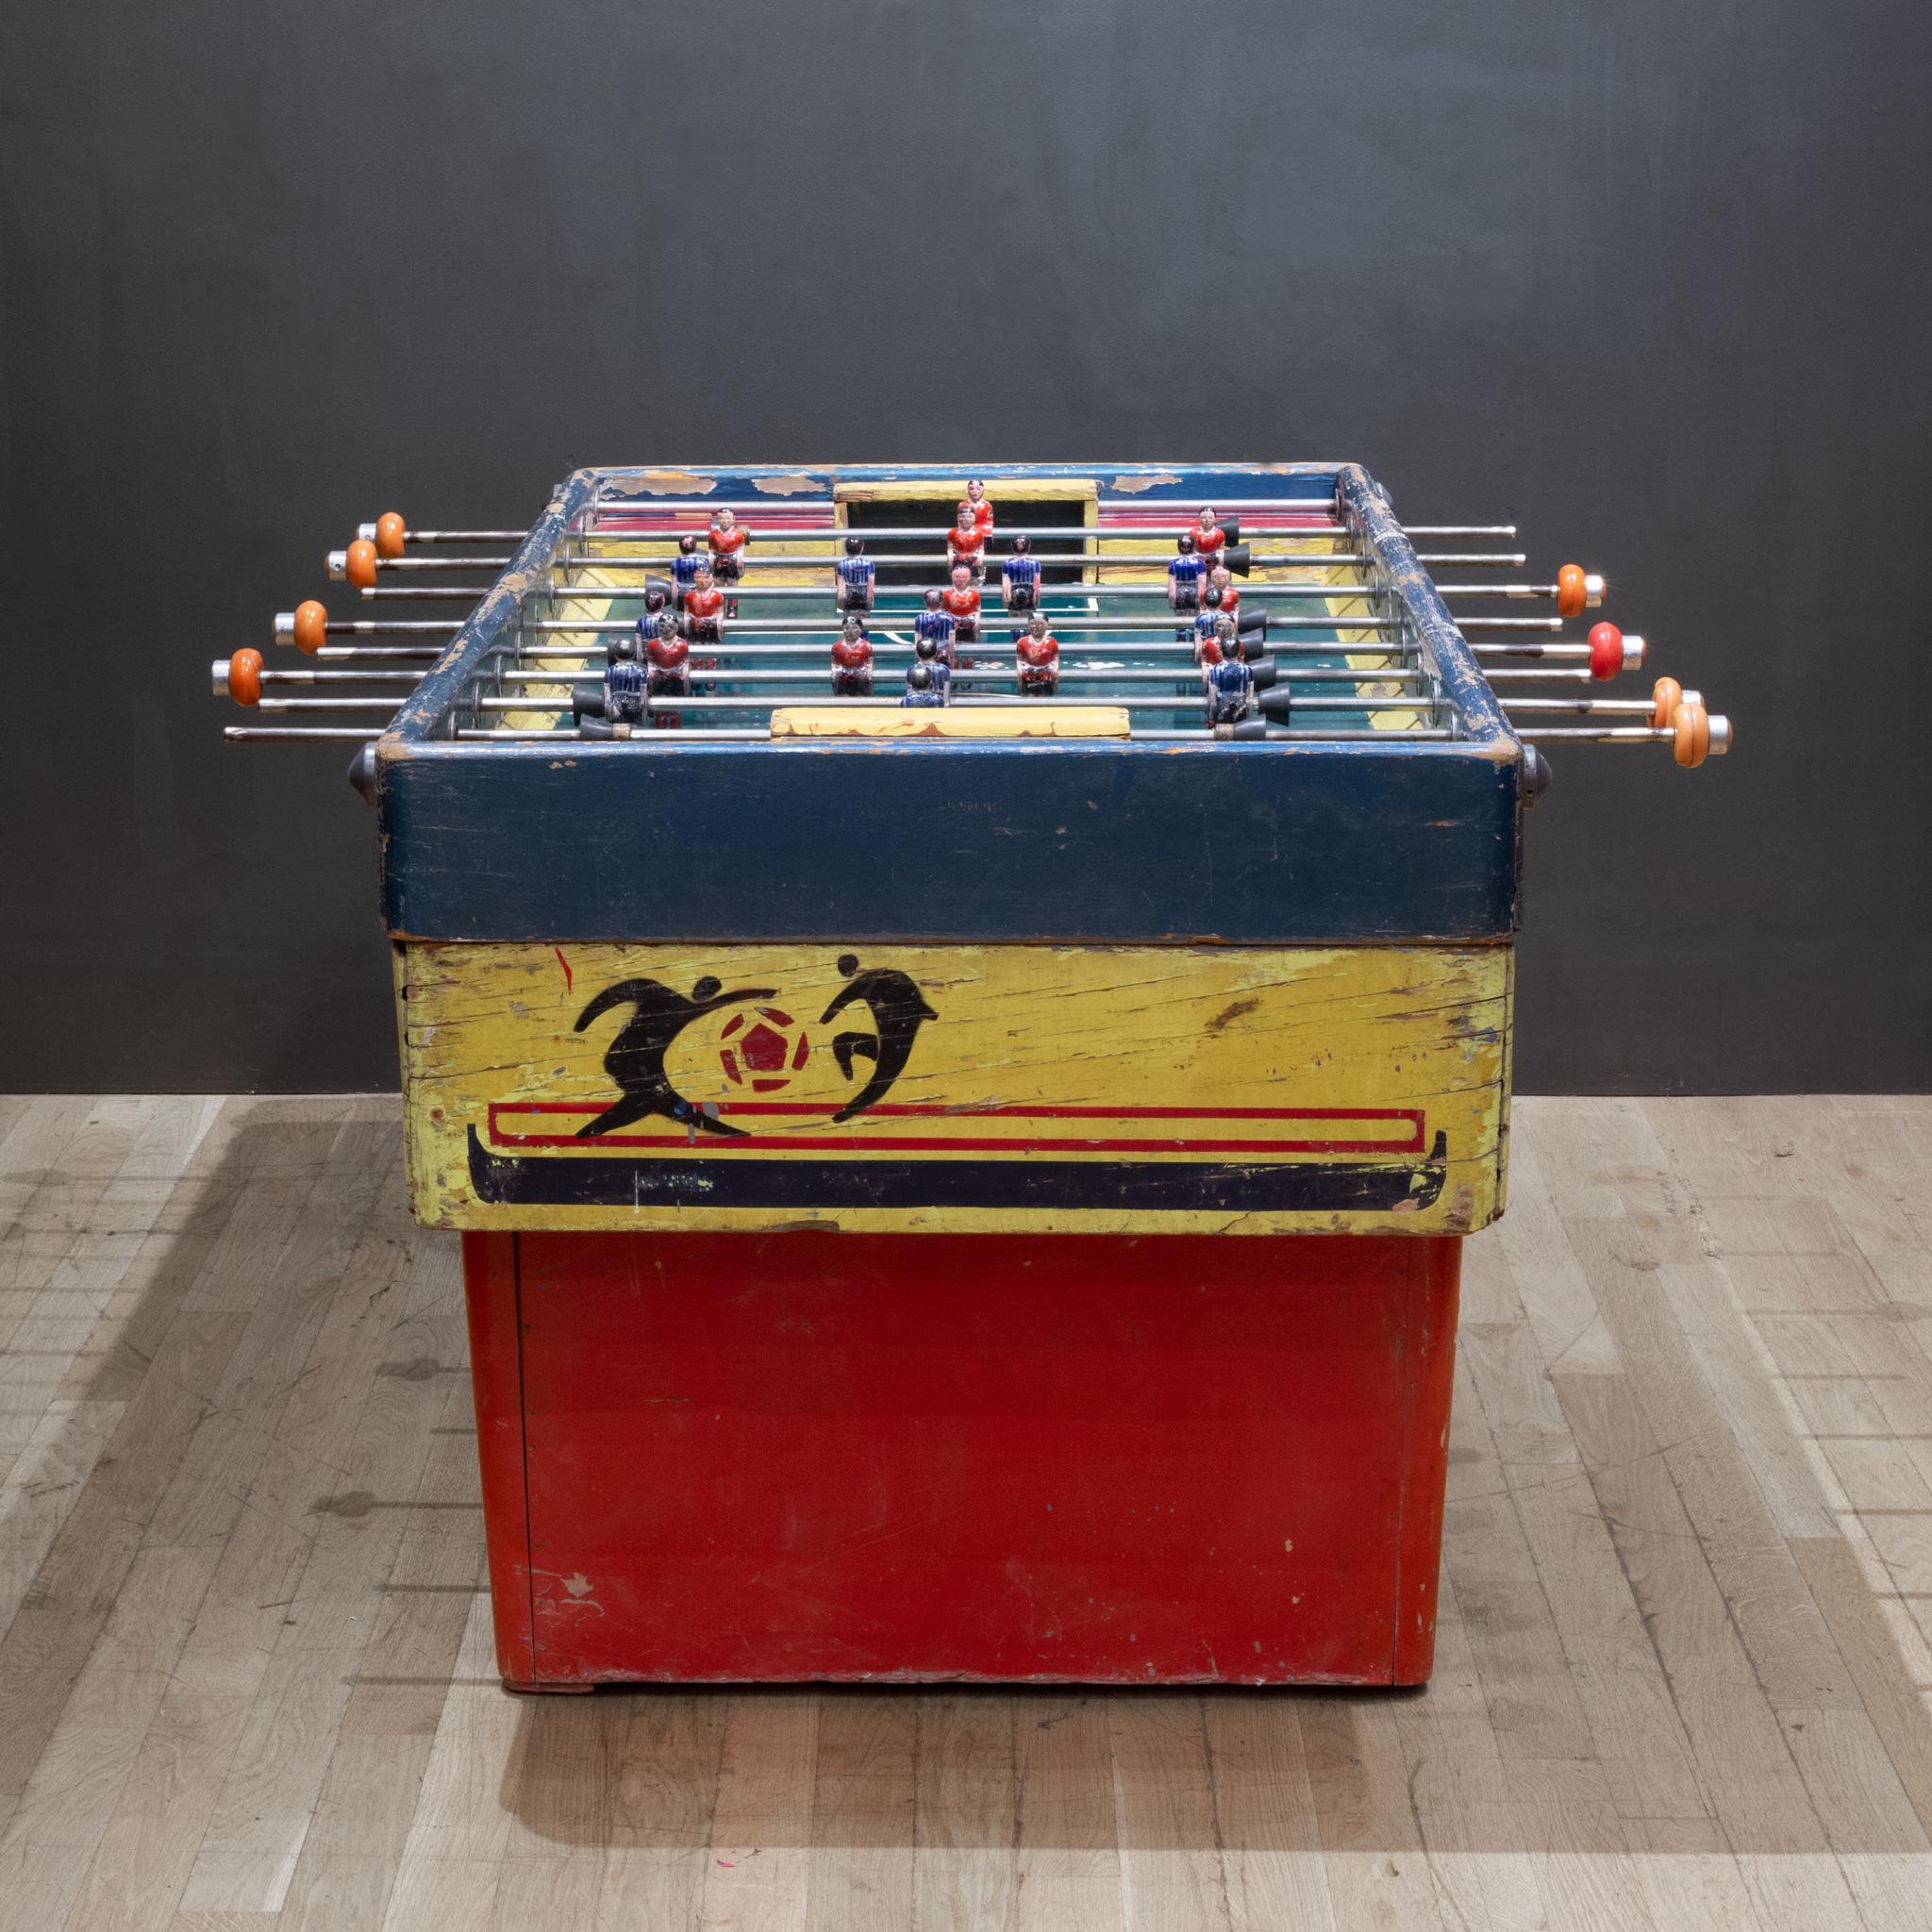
[{"x": 1095, "y": 1089}]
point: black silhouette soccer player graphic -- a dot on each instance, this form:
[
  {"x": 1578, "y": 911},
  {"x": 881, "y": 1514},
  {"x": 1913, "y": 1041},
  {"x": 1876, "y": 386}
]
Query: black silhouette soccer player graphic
[
  {"x": 636, "y": 1059},
  {"x": 898, "y": 1011}
]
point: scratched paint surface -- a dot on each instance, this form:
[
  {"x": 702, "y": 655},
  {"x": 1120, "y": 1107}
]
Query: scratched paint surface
[{"x": 966, "y": 1089}]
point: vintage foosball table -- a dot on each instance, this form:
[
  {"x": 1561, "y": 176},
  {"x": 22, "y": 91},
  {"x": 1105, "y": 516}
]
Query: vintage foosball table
[{"x": 962, "y": 1126}]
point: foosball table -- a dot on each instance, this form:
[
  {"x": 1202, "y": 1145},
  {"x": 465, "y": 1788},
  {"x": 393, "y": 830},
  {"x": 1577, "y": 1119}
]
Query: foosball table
[{"x": 962, "y": 1019}]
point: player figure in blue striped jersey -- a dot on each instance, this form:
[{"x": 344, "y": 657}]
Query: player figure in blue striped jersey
[
  {"x": 685, "y": 567},
  {"x": 1020, "y": 578},
  {"x": 923, "y": 686},
  {"x": 927, "y": 652},
  {"x": 937, "y": 622},
  {"x": 1230, "y": 684},
  {"x": 1184, "y": 577},
  {"x": 856, "y": 577}
]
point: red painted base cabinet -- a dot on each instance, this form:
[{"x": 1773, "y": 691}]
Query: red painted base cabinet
[{"x": 901, "y": 1457}]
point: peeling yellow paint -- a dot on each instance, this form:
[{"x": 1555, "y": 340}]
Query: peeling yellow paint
[
  {"x": 658, "y": 483},
  {"x": 1329, "y": 1055}
]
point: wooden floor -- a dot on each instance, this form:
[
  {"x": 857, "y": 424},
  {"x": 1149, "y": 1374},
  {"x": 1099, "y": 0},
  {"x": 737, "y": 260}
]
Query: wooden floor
[{"x": 245, "y": 1676}]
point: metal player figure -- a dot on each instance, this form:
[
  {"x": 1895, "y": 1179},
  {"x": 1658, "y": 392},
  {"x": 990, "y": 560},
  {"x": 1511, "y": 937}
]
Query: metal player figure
[
  {"x": 1230, "y": 683},
  {"x": 982, "y": 509},
  {"x": 1208, "y": 535},
  {"x": 1220, "y": 578},
  {"x": 851, "y": 662},
  {"x": 1220, "y": 641},
  {"x": 937, "y": 622},
  {"x": 666, "y": 658},
  {"x": 727, "y": 552},
  {"x": 857, "y": 576},
  {"x": 685, "y": 567},
  {"x": 624, "y": 693},
  {"x": 962, "y": 604},
  {"x": 966, "y": 542},
  {"x": 1038, "y": 652},
  {"x": 927, "y": 651},
  {"x": 1184, "y": 576},
  {"x": 1207, "y": 620},
  {"x": 1019, "y": 578},
  {"x": 637, "y": 644},
  {"x": 704, "y": 608},
  {"x": 923, "y": 686},
  {"x": 937, "y": 687}
]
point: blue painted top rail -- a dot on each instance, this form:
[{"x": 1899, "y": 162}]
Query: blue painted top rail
[{"x": 1274, "y": 842}]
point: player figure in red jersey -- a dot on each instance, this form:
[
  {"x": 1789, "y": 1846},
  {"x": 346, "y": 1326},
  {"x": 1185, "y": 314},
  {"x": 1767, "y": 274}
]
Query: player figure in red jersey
[
  {"x": 852, "y": 661},
  {"x": 1207, "y": 623},
  {"x": 962, "y": 602},
  {"x": 704, "y": 608},
  {"x": 727, "y": 552},
  {"x": 1219, "y": 578},
  {"x": 1039, "y": 653},
  {"x": 1208, "y": 535},
  {"x": 684, "y": 568},
  {"x": 982, "y": 509},
  {"x": 1218, "y": 642},
  {"x": 966, "y": 542}
]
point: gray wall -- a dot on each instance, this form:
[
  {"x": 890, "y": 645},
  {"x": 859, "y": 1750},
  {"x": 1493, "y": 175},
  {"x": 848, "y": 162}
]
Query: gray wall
[{"x": 1650, "y": 279}]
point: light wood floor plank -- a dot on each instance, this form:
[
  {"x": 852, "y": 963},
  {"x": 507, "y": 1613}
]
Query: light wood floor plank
[{"x": 247, "y": 1680}]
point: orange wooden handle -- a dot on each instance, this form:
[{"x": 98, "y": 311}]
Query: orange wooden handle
[
  {"x": 244, "y": 676},
  {"x": 359, "y": 564},
  {"x": 1666, "y": 694},
  {"x": 1692, "y": 724},
  {"x": 311, "y": 627},
  {"x": 1572, "y": 590},
  {"x": 392, "y": 533}
]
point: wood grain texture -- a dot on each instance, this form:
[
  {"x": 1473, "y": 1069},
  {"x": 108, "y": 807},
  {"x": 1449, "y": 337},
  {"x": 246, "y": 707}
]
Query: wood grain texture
[
  {"x": 247, "y": 1678},
  {"x": 1043, "y": 1088}
]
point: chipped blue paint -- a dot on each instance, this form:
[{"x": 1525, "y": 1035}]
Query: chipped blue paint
[{"x": 1277, "y": 842}]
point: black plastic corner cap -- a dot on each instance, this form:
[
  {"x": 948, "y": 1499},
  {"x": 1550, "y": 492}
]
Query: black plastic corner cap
[
  {"x": 1536, "y": 776},
  {"x": 363, "y": 772}
]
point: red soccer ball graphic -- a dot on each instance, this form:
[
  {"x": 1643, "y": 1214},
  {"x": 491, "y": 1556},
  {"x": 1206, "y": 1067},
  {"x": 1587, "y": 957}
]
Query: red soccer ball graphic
[{"x": 762, "y": 1048}]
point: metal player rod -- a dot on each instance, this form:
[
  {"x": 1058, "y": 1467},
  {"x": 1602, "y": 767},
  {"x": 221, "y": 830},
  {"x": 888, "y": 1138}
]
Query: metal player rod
[
  {"x": 1055, "y": 534},
  {"x": 1174, "y": 703},
  {"x": 1085, "y": 673},
  {"x": 1178, "y": 702},
  {"x": 612, "y": 593},
  {"x": 564, "y": 659},
  {"x": 285, "y": 628},
  {"x": 669, "y": 740},
  {"x": 764, "y": 506},
  {"x": 1091, "y": 559},
  {"x": 1062, "y": 560},
  {"x": 603, "y": 628},
  {"x": 704, "y": 510}
]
